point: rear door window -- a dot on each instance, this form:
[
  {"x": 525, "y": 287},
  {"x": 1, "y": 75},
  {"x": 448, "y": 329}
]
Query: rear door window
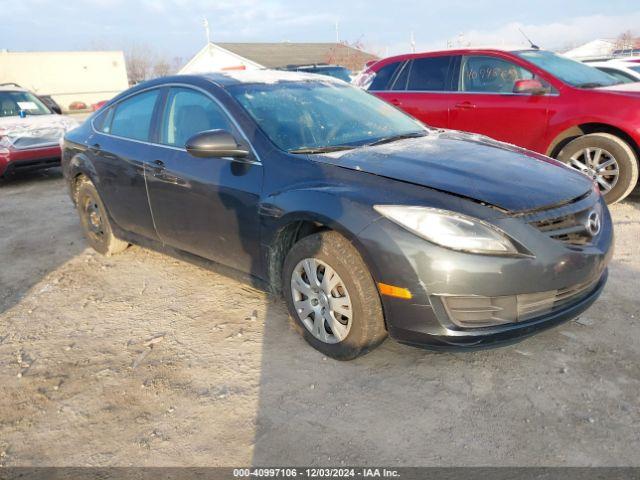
[
  {"x": 102, "y": 122},
  {"x": 384, "y": 76},
  {"x": 400, "y": 82},
  {"x": 429, "y": 74},
  {"x": 133, "y": 117}
]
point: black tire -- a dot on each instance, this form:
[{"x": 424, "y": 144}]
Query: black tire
[
  {"x": 95, "y": 221},
  {"x": 367, "y": 329},
  {"x": 619, "y": 149}
]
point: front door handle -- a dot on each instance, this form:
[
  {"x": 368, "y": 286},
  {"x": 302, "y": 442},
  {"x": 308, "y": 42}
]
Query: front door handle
[
  {"x": 395, "y": 101},
  {"x": 158, "y": 168},
  {"x": 160, "y": 173},
  {"x": 465, "y": 105}
]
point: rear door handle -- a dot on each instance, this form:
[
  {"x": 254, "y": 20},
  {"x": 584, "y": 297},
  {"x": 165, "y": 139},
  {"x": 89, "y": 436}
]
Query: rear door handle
[
  {"x": 465, "y": 105},
  {"x": 159, "y": 163},
  {"x": 395, "y": 101}
]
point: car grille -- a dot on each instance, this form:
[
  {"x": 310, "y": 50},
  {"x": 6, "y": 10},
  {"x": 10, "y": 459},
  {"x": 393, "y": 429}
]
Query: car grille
[
  {"x": 568, "y": 223},
  {"x": 531, "y": 305},
  {"x": 570, "y": 229}
]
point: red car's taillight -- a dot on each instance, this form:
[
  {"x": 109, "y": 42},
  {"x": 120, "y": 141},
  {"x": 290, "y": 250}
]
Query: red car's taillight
[{"x": 364, "y": 79}]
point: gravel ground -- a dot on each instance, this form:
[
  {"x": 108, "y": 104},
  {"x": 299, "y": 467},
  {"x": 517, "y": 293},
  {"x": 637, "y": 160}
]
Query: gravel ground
[{"x": 142, "y": 359}]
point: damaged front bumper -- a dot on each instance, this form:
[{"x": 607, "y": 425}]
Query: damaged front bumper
[
  {"x": 464, "y": 301},
  {"x": 12, "y": 161},
  {"x": 32, "y": 142},
  {"x": 486, "y": 337}
]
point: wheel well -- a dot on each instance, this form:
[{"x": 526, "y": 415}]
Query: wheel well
[
  {"x": 584, "y": 129},
  {"x": 286, "y": 238},
  {"x": 75, "y": 185}
]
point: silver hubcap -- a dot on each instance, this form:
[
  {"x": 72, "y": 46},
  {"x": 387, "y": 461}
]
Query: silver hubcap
[
  {"x": 321, "y": 300},
  {"x": 598, "y": 164}
]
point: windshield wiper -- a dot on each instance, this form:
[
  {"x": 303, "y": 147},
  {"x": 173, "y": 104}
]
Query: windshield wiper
[
  {"x": 327, "y": 149},
  {"x": 590, "y": 85},
  {"x": 395, "y": 138}
]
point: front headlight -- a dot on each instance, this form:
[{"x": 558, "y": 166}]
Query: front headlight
[{"x": 450, "y": 229}]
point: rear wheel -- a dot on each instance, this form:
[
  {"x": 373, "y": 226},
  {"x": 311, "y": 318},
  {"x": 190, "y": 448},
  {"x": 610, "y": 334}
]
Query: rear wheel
[
  {"x": 606, "y": 159},
  {"x": 95, "y": 222},
  {"x": 331, "y": 296}
]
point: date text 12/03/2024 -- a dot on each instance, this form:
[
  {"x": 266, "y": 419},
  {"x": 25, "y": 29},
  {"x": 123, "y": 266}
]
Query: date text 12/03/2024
[{"x": 316, "y": 472}]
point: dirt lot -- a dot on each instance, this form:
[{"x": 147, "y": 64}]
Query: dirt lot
[{"x": 141, "y": 359}]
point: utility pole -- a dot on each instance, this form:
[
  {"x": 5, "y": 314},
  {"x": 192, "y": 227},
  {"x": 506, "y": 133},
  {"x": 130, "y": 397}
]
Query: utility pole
[
  {"x": 413, "y": 43},
  {"x": 205, "y": 24},
  {"x": 337, "y": 33}
]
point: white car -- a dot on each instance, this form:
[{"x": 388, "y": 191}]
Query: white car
[{"x": 625, "y": 70}]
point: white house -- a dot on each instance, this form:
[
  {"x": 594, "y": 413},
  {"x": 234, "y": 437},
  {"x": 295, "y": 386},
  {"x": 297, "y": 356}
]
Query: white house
[{"x": 250, "y": 56}]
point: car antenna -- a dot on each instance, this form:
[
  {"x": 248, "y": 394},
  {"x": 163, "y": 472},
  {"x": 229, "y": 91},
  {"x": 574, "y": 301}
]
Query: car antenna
[{"x": 533, "y": 45}]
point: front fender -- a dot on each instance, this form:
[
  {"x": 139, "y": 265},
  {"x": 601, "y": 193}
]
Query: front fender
[{"x": 336, "y": 207}]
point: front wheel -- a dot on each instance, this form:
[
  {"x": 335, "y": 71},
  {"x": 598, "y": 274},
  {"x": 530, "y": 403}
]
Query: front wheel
[
  {"x": 331, "y": 296},
  {"x": 606, "y": 159}
]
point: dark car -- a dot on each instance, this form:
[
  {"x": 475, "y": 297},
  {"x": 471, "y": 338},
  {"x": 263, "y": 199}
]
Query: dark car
[
  {"x": 366, "y": 221},
  {"x": 335, "y": 71},
  {"x": 51, "y": 103}
]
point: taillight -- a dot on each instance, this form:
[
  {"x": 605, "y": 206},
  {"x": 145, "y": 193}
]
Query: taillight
[{"x": 364, "y": 79}]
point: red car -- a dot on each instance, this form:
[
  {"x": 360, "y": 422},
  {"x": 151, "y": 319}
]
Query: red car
[
  {"x": 30, "y": 132},
  {"x": 531, "y": 98}
]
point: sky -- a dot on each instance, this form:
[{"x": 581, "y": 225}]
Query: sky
[{"x": 174, "y": 28}]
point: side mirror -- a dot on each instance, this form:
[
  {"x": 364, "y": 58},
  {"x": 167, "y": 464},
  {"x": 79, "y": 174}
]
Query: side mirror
[
  {"x": 530, "y": 87},
  {"x": 215, "y": 143}
]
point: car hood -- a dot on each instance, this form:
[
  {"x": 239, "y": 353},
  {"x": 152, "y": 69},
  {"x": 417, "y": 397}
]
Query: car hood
[
  {"x": 630, "y": 89},
  {"x": 471, "y": 166},
  {"x": 34, "y": 131}
]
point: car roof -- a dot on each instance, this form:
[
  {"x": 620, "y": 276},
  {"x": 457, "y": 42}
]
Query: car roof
[
  {"x": 11, "y": 87},
  {"x": 602, "y": 63},
  {"x": 615, "y": 61},
  {"x": 239, "y": 77},
  {"x": 458, "y": 51},
  {"x": 229, "y": 79}
]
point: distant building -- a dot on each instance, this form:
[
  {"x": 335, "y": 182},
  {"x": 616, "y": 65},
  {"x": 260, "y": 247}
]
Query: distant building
[
  {"x": 67, "y": 76},
  {"x": 251, "y": 56}
]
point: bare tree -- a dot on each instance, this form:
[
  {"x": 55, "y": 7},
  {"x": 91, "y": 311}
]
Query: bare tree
[
  {"x": 625, "y": 41},
  {"x": 161, "y": 68},
  {"x": 140, "y": 61},
  {"x": 176, "y": 64}
]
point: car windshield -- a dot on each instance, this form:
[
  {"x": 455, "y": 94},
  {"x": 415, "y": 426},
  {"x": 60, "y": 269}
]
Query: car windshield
[
  {"x": 569, "y": 71},
  {"x": 635, "y": 68},
  {"x": 309, "y": 115},
  {"x": 13, "y": 102}
]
